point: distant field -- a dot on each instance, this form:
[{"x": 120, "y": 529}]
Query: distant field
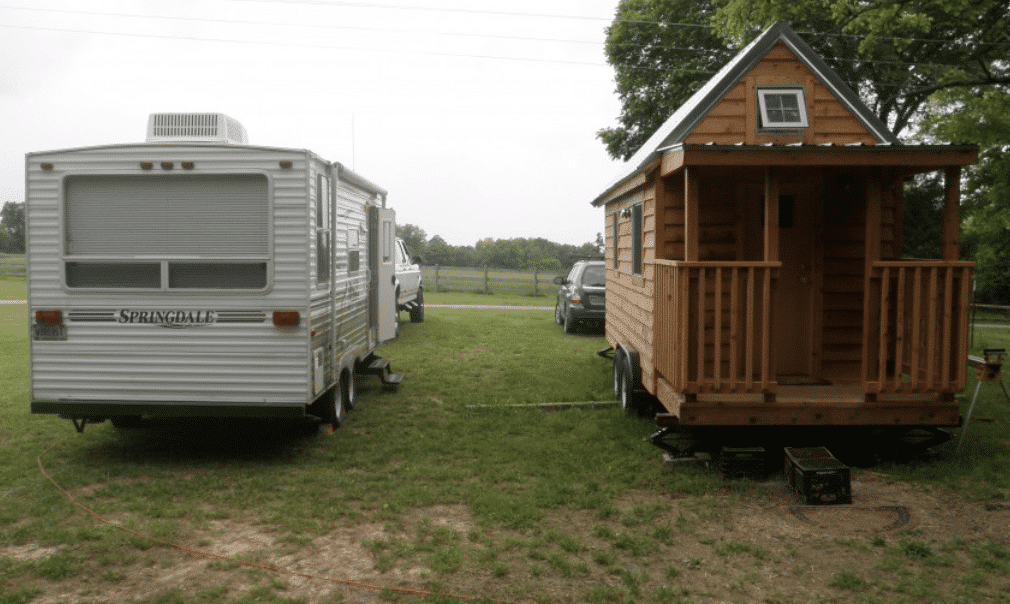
[
  {"x": 12, "y": 265},
  {"x": 454, "y": 278}
]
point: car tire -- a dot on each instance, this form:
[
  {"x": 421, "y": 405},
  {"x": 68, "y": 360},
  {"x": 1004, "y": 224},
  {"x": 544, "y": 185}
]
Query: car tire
[
  {"x": 558, "y": 319},
  {"x": 417, "y": 311},
  {"x": 569, "y": 322}
]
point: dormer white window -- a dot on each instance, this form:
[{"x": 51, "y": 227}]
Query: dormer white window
[{"x": 782, "y": 108}]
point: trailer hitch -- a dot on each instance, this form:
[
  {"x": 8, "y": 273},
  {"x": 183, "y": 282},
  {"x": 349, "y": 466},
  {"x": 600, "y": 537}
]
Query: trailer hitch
[{"x": 81, "y": 422}]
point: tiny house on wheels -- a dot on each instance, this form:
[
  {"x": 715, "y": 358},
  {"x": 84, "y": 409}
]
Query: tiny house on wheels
[
  {"x": 754, "y": 257},
  {"x": 197, "y": 275}
]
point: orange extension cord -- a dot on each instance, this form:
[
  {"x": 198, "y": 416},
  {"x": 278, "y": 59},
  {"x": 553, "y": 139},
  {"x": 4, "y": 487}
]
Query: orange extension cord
[{"x": 402, "y": 590}]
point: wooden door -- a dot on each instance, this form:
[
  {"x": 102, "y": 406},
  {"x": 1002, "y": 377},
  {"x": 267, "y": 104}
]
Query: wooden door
[{"x": 796, "y": 319}]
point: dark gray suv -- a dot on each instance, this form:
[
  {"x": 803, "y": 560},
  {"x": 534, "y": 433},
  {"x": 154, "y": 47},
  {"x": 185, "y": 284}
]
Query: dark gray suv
[{"x": 582, "y": 295}]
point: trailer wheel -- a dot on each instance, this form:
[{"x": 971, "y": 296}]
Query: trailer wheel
[
  {"x": 630, "y": 400},
  {"x": 349, "y": 391},
  {"x": 618, "y": 364},
  {"x": 417, "y": 311},
  {"x": 335, "y": 400}
]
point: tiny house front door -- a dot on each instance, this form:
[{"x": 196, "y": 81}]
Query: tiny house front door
[{"x": 795, "y": 316}]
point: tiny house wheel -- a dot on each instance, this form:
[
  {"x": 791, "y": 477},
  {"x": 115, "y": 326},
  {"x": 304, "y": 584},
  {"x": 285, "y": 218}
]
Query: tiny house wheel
[{"x": 618, "y": 361}]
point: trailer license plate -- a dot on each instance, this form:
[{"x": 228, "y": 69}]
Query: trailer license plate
[{"x": 52, "y": 332}]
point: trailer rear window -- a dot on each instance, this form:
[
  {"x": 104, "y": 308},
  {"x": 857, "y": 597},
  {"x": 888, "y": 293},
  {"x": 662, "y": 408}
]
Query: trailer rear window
[
  {"x": 114, "y": 274},
  {"x": 219, "y": 223}
]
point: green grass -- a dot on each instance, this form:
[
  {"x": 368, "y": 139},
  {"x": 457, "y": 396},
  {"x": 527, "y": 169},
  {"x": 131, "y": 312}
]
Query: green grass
[{"x": 12, "y": 288}]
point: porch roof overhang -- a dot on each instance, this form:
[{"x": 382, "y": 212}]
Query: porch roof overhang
[{"x": 912, "y": 158}]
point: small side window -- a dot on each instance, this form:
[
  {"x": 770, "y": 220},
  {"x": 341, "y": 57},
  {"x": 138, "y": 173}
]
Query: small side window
[
  {"x": 636, "y": 239},
  {"x": 782, "y": 108},
  {"x": 615, "y": 239}
]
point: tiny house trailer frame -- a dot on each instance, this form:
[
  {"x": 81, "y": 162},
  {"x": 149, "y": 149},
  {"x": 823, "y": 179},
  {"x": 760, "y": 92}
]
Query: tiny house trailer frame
[
  {"x": 197, "y": 275},
  {"x": 754, "y": 254}
]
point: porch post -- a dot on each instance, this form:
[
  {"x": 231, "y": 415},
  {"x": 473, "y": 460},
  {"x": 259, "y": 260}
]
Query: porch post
[
  {"x": 871, "y": 295},
  {"x": 659, "y": 212},
  {"x": 951, "y": 213},
  {"x": 771, "y": 215},
  {"x": 691, "y": 209}
]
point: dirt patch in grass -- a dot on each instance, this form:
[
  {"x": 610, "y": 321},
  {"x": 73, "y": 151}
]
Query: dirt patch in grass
[{"x": 740, "y": 544}]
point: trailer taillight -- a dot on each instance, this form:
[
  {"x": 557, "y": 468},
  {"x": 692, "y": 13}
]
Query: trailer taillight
[
  {"x": 287, "y": 318},
  {"x": 49, "y": 317}
]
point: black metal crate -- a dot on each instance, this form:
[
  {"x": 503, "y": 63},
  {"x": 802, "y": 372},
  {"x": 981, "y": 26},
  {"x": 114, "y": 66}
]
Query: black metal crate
[
  {"x": 742, "y": 462},
  {"x": 816, "y": 476}
]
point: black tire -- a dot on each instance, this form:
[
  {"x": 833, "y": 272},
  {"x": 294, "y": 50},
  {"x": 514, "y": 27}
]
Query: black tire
[
  {"x": 569, "y": 323},
  {"x": 628, "y": 398},
  {"x": 350, "y": 391},
  {"x": 618, "y": 368},
  {"x": 417, "y": 311},
  {"x": 333, "y": 402},
  {"x": 558, "y": 319}
]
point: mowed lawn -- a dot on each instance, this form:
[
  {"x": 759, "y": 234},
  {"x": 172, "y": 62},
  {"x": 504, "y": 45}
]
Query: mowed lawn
[{"x": 459, "y": 487}]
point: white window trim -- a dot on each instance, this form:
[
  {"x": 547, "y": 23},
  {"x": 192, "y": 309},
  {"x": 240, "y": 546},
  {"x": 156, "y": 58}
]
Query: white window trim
[{"x": 800, "y": 101}]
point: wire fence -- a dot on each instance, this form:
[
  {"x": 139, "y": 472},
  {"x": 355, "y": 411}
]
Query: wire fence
[
  {"x": 488, "y": 280},
  {"x": 12, "y": 265}
]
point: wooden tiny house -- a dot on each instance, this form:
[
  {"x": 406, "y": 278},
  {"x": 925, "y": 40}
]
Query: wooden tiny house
[{"x": 755, "y": 273}]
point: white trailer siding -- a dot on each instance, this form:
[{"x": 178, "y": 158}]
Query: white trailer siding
[{"x": 240, "y": 359}]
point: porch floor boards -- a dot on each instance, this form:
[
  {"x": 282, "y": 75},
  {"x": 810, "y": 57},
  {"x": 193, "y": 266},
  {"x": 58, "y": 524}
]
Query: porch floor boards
[{"x": 836, "y": 404}]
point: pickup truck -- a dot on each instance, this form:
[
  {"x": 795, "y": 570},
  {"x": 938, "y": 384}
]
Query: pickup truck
[{"x": 407, "y": 278}]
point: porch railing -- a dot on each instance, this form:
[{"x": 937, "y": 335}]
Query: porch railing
[
  {"x": 915, "y": 326},
  {"x": 713, "y": 326}
]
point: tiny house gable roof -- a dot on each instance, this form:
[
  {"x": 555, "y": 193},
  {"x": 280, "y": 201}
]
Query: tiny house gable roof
[{"x": 680, "y": 125}]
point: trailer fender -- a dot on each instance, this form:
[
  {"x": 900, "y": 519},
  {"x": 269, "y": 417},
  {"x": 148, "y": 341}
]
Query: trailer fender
[{"x": 629, "y": 356}]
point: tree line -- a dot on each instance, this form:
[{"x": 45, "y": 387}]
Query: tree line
[
  {"x": 12, "y": 228},
  {"x": 516, "y": 253}
]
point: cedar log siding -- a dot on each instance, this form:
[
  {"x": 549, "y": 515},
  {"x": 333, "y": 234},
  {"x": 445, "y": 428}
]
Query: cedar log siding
[
  {"x": 630, "y": 297},
  {"x": 734, "y": 118}
]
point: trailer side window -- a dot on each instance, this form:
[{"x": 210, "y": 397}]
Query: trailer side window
[
  {"x": 193, "y": 231},
  {"x": 353, "y": 250},
  {"x": 636, "y": 239},
  {"x": 323, "y": 233}
]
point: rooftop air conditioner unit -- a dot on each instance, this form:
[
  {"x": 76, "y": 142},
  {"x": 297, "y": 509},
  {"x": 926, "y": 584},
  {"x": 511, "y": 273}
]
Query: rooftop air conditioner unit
[{"x": 195, "y": 127}]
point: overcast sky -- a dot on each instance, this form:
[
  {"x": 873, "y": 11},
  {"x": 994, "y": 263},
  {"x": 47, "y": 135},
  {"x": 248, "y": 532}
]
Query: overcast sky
[{"x": 479, "y": 118}]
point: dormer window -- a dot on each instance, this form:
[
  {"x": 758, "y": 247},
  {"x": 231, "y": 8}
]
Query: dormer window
[{"x": 782, "y": 108}]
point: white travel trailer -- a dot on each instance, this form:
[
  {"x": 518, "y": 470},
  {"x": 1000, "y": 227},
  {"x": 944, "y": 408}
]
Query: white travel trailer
[{"x": 197, "y": 275}]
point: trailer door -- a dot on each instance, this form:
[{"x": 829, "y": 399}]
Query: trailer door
[{"x": 384, "y": 316}]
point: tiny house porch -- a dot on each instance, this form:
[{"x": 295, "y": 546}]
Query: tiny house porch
[
  {"x": 810, "y": 318},
  {"x": 715, "y": 348}
]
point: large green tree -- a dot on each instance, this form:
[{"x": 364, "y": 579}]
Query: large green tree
[
  {"x": 662, "y": 51},
  {"x": 894, "y": 53},
  {"x": 982, "y": 116}
]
